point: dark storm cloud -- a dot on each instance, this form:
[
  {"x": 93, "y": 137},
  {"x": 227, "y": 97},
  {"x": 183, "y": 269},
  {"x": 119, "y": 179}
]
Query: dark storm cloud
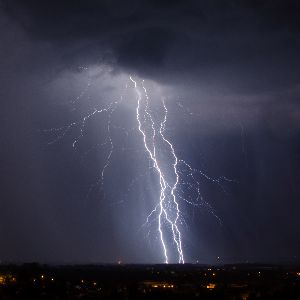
[
  {"x": 247, "y": 46},
  {"x": 233, "y": 64}
]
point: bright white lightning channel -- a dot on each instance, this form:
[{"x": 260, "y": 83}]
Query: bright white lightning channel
[
  {"x": 175, "y": 175},
  {"x": 168, "y": 206}
]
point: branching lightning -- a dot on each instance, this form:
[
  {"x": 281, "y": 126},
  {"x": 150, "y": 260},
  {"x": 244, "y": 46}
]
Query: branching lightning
[
  {"x": 168, "y": 206},
  {"x": 178, "y": 181}
]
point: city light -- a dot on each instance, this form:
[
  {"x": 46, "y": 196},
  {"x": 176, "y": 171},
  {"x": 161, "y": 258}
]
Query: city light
[{"x": 211, "y": 286}]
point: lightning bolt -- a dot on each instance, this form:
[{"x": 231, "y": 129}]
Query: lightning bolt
[
  {"x": 178, "y": 181},
  {"x": 168, "y": 206}
]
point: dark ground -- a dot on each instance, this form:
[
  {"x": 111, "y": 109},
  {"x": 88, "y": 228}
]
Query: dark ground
[{"x": 243, "y": 281}]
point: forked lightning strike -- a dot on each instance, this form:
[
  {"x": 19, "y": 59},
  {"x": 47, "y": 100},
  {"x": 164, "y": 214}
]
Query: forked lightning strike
[
  {"x": 175, "y": 176},
  {"x": 168, "y": 206}
]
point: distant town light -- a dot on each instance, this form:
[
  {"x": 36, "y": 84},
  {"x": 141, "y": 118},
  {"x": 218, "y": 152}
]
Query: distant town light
[
  {"x": 211, "y": 286},
  {"x": 160, "y": 285}
]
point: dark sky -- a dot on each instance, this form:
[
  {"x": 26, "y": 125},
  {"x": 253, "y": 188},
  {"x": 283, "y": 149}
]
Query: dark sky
[{"x": 230, "y": 73}]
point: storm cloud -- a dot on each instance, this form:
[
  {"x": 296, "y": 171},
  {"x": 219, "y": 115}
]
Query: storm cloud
[
  {"x": 249, "y": 46},
  {"x": 231, "y": 70}
]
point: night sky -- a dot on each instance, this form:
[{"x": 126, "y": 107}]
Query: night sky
[{"x": 229, "y": 72}]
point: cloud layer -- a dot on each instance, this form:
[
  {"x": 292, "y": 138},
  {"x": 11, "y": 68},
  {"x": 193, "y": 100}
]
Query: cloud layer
[{"x": 248, "y": 46}]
